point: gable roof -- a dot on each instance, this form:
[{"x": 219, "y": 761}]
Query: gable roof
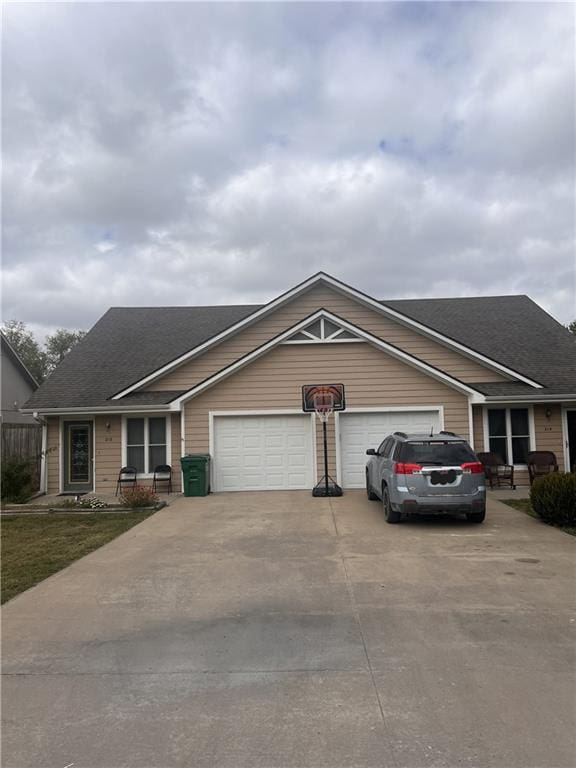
[
  {"x": 285, "y": 335},
  {"x": 9, "y": 351},
  {"x": 129, "y": 344},
  {"x": 125, "y": 345},
  {"x": 510, "y": 329},
  {"x": 322, "y": 278}
]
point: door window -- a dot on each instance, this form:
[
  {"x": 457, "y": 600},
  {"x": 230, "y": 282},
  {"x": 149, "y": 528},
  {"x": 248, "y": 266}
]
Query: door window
[{"x": 79, "y": 453}]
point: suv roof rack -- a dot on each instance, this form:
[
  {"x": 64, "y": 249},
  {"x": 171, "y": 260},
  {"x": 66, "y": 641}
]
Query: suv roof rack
[{"x": 401, "y": 434}]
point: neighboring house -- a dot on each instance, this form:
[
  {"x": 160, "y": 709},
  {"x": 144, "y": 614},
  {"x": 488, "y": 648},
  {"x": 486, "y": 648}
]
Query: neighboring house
[
  {"x": 17, "y": 385},
  {"x": 147, "y": 385}
]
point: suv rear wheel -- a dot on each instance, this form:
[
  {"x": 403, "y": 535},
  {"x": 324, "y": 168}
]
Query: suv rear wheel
[
  {"x": 476, "y": 517},
  {"x": 391, "y": 515},
  {"x": 369, "y": 492}
]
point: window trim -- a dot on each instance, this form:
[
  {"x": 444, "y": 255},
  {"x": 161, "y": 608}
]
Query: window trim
[
  {"x": 146, "y": 417},
  {"x": 507, "y": 408}
]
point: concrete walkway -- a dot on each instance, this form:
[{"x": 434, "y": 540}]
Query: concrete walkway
[{"x": 276, "y": 630}]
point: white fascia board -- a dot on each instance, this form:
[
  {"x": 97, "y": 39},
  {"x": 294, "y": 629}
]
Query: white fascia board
[
  {"x": 476, "y": 396},
  {"x": 346, "y": 290},
  {"x": 535, "y": 398},
  {"x": 100, "y": 410}
]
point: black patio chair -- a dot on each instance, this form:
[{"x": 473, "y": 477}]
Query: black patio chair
[
  {"x": 496, "y": 471},
  {"x": 541, "y": 463},
  {"x": 162, "y": 474},
  {"x": 126, "y": 478}
]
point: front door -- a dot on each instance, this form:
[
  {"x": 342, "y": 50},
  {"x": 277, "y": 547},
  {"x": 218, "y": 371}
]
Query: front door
[
  {"x": 77, "y": 456},
  {"x": 571, "y": 420}
]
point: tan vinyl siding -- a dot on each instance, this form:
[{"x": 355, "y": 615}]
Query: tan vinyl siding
[
  {"x": 108, "y": 459},
  {"x": 176, "y": 447},
  {"x": 408, "y": 340},
  {"x": 478, "y": 428},
  {"x": 371, "y": 378},
  {"x": 53, "y": 454},
  {"x": 549, "y": 431}
]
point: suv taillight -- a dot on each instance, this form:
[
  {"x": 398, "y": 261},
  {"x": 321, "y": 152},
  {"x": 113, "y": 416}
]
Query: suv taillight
[
  {"x": 401, "y": 468},
  {"x": 472, "y": 468}
]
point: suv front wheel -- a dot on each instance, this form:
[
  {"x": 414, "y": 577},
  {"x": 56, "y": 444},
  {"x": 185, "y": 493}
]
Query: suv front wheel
[{"x": 391, "y": 515}]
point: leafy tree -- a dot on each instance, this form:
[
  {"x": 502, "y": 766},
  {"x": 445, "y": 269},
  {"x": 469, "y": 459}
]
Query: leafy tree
[
  {"x": 40, "y": 362},
  {"x": 26, "y": 347},
  {"x": 572, "y": 326},
  {"x": 58, "y": 344}
]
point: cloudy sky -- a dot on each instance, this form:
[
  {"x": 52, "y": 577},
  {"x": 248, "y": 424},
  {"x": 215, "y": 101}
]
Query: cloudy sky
[{"x": 190, "y": 153}]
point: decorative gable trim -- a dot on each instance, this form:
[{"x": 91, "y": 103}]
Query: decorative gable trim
[
  {"x": 473, "y": 394},
  {"x": 323, "y": 331},
  {"x": 337, "y": 285}
]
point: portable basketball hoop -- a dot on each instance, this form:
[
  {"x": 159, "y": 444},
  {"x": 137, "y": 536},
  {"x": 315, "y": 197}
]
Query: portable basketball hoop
[
  {"x": 324, "y": 399},
  {"x": 324, "y": 406}
]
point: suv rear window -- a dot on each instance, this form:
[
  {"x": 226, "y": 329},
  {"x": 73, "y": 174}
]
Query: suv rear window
[{"x": 436, "y": 452}]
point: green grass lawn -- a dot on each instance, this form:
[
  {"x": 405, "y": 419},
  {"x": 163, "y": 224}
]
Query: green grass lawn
[
  {"x": 524, "y": 506},
  {"x": 36, "y": 546}
]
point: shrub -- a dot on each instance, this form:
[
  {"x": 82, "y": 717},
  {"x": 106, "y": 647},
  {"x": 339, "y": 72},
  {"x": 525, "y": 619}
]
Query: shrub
[
  {"x": 553, "y": 498},
  {"x": 92, "y": 502},
  {"x": 140, "y": 496},
  {"x": 17, "y": 479}
]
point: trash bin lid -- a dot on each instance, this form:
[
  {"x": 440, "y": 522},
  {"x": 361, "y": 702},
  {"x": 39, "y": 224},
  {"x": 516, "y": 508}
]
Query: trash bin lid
[
  {"x": 196, "y": 456},
  {"x": 193, "y": 458}
]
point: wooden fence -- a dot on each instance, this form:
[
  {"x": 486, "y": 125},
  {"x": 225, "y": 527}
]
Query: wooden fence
[{"x": 23, "y": 441}]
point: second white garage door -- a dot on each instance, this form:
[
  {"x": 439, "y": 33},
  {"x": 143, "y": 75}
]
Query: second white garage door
[
  {"x": 359, "y": 431},
  {"x": 258, "y": 453}
]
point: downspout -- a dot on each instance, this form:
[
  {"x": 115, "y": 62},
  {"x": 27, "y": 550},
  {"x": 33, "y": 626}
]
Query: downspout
[
  {"x": 43, "y": 476},
  {"x": 471, "y": 424},
  {"x": 182, "y": 442}
]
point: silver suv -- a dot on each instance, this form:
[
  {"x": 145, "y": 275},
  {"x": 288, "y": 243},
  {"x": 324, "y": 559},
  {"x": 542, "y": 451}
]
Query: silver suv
[{"x": 426, "y": 474}]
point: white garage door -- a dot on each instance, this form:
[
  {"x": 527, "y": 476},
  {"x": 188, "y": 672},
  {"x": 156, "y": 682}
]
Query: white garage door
[
  {"x": 258, "y": 453},
  {"x": 360, "y": 431}
]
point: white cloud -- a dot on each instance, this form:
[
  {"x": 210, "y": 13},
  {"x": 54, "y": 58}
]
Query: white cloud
[{"x": 232, "y": 150}]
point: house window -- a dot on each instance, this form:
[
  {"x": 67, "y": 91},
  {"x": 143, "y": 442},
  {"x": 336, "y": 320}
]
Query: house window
[
  {"x": 146, "y": 443},
  {"x": 509, "y": 434}
]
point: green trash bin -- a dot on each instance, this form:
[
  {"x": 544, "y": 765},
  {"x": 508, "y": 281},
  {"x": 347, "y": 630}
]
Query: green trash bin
[{"x": 196, "y": 474}]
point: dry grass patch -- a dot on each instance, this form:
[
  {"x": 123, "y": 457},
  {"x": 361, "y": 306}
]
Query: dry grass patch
[{"x": 36, "y": 546}]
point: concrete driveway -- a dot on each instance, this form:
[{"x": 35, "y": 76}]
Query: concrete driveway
[{"x": 265, "y": 630}]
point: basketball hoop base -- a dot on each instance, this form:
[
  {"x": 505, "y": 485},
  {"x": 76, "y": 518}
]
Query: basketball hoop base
[{"x": 327, "y": 487}]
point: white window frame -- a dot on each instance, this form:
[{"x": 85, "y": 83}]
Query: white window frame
[
  {"x": 146, "y": 417},
  {"x": 531, "y": 428}
]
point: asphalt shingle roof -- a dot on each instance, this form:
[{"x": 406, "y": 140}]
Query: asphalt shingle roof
[
  {"x": 512, "y": 330},
  {"x": 129, "y": 343},
  {"x": 126, "y": 344}
]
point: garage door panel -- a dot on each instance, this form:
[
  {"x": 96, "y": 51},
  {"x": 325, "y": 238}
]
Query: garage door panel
[
  {"x": 262, "y": 453},
  {"x": 360, "y": 431}
]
